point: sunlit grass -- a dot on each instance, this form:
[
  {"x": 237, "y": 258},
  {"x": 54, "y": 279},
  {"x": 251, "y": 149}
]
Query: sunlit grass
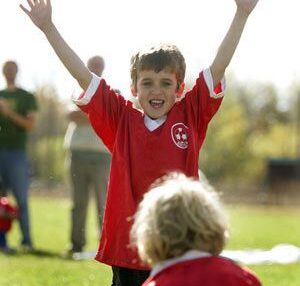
[
  {"x": 263, "y": 226},
  {"x": 50, "y": 228},
  {"x": 251, "y": 227}
]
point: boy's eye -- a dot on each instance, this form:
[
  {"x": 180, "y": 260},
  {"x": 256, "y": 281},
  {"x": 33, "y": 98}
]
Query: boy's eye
[
  {"x": 146, "y": 83},
  {"x": 166, "y": 83}
]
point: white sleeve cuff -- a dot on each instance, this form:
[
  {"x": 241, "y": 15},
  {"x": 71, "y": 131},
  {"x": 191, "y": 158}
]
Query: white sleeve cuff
[
  {"x": 86, "y": 97},
  {"x": 210, "y": 84}
]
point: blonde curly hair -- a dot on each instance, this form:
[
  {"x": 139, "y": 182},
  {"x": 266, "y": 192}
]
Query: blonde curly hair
[{"x": 178, "y": 214}]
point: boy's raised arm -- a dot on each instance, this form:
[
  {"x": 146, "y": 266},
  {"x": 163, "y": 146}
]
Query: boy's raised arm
[
  {"x": 232, "y": 38},
  {"x": 40, "y": 13}
]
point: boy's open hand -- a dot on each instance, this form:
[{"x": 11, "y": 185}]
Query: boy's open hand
[
  {"x": 40, "y": 13},
  {"x": 246, "y": 6}
]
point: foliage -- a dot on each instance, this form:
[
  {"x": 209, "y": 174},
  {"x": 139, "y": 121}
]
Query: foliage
[
  {"x": 249, "y": 128},
  {"x": 46, "y": 141},
  {"x": 48, "y": 159},
  {"x": 226, "y": 153},
  {"x": 51, "y": 116}
]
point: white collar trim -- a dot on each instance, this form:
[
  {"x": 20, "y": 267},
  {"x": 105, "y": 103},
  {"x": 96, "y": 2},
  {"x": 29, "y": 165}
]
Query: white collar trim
[
  {"x": 153, "y": 124},
  {"x": 189, "y": 255}
]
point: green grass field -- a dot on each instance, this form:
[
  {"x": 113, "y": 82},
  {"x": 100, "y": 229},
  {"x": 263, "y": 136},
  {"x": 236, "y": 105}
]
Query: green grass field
[{"x": 251, "y": 227}]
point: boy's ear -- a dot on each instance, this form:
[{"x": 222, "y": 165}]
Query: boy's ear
[
  {"x": 180, "y": 89},
  {"x": 133, "y": 90}
]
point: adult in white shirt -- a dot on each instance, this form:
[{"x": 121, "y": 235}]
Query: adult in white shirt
[{"x": 89, "y": 164}]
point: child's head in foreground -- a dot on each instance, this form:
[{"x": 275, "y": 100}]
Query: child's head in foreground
[
  {"x": 157, "y": 78},
  {"x": 176, "y": 216}
]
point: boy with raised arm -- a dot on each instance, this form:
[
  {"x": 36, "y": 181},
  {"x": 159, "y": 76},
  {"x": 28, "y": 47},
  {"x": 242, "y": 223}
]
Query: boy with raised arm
[{"x": 165, "y": 135}]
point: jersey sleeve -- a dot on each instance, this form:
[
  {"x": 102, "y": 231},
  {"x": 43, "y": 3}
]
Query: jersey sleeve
[
  {"x": 204, "y": 100},
  {"x": 104, "y": 108}
]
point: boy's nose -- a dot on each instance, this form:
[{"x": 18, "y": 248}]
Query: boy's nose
[{"x": 156, "y": 90}]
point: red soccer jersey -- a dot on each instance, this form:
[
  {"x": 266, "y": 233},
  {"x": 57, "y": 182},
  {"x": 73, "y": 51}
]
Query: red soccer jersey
[
  {"x": 208, "y": 271},
  {"x": 140, "y": 156}
]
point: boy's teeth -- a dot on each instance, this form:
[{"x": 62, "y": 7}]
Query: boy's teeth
[{"x": 156, "y": 101}]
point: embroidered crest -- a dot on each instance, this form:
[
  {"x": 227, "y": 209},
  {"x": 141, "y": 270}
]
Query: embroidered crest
[{"x": 179, "y": 135}]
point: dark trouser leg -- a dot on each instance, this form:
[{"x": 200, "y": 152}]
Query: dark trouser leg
[
  {"x": 80, "y": 192},
  {"x": 128, "y": 277},
  {"x": 99, "y": 178},
  {"x": 3, "y": 239}
]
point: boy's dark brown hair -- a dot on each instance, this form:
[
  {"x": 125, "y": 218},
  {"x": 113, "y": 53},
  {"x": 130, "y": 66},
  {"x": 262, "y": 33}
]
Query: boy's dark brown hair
[{"x": 158, "y": 58}]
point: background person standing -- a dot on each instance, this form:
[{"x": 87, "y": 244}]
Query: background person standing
[
  {"x": 89, "y": 167},
  {"x": 17, "y": 117}
]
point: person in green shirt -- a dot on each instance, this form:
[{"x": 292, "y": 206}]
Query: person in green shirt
[{"x": 17, "y": 116}]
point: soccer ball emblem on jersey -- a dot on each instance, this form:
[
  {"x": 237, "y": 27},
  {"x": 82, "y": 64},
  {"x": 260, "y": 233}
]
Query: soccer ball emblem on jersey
[{"x": 180, "y": 135}]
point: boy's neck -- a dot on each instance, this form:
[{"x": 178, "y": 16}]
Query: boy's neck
[{"x": 156, "y": 119}]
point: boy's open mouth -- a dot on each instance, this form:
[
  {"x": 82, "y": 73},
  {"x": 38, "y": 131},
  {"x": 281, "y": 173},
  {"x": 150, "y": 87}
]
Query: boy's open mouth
[{"x": 156, "y": 103}]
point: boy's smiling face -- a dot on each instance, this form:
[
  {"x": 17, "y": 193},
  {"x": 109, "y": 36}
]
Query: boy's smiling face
[{"x": 157, "y": 92}]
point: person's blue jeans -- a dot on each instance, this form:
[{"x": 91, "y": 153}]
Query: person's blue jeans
[
  {"x": 15, "y": 175},
  {"x": 3, "y": 239}
]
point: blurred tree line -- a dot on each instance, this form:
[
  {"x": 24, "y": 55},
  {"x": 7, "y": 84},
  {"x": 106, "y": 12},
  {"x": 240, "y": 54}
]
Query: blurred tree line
[
  {"x": 45, "y": 146},
  {"x": 253, "y": 124}
]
